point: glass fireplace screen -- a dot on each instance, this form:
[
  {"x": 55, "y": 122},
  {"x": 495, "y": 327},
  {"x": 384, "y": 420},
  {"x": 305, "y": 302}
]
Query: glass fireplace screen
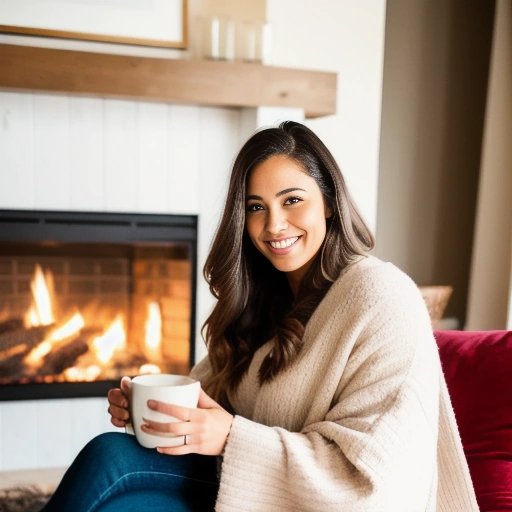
[{"x": 88, "y": 298}]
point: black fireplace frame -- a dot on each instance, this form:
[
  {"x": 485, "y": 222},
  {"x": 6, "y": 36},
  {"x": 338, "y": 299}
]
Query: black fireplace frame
[{"x": 95, "y": 227}]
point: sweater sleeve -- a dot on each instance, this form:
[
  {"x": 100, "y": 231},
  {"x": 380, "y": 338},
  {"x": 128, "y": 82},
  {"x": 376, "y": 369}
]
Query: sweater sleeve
[{"x": 375, "y": 449}]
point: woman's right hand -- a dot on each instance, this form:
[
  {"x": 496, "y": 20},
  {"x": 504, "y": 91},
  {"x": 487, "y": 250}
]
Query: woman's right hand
[{"x": 119, "y": 400}]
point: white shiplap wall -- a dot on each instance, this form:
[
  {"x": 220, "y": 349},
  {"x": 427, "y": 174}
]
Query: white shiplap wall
[{"x": 61, "y": 152}]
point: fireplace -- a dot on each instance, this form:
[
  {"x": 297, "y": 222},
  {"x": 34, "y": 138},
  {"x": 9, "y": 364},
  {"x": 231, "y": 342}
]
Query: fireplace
[{"x": 86, "y": 298}]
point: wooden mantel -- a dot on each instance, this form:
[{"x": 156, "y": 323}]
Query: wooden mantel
[{"x": 199, "y": 82}]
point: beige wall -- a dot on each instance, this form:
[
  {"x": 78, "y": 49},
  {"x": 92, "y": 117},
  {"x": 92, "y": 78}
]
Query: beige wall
[
  {"x": 490, "y": 292},
  {"x": 435, "y": 78}
]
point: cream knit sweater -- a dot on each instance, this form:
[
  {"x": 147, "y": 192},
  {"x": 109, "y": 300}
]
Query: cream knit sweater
[{"x": 362, "y": 421}]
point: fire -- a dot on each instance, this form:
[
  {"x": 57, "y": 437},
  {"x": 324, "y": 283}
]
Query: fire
[
  {"x": 41, "y": 312},
  {"x": 88, "y": 374},
  {"x": 113, "y": 339},
  {"x": 149, "y": 368},
  {"x": 66, "y": 343},
  {"x": 32, "y": 318},
  {"x": 73, "y": 326},
  {"x": 35, "y": 357},
  {"x": 153, "y": 339}
]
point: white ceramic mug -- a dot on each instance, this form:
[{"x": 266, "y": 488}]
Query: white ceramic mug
[{"x": 172, "y": 389}]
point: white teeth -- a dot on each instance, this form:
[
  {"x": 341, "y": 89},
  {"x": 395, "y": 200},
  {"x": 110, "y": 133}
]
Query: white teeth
[{"x": 283, "y": 244}]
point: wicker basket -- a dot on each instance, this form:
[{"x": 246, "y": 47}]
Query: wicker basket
[{"x": 436, "y": 299}]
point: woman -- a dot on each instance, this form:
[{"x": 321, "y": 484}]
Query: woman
[{"x": 322, "y": 385}]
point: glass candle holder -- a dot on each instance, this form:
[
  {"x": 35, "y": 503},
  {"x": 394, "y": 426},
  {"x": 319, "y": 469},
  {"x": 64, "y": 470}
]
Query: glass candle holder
[
  {"x": 254, "y": 42},
  {"x": 219, "y": 38}
]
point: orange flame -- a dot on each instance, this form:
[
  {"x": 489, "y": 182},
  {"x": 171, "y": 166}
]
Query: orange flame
[
  {"x": 74, "y": 325},
  {"x": 41, "y": 312},
  {"x": 153, "y": 339},
  {"x": 103, "y": 348},
  {"x": 149, "y": 368},
  {"x": 89, "y": 373},
  {"x": 114, "y": 338}
]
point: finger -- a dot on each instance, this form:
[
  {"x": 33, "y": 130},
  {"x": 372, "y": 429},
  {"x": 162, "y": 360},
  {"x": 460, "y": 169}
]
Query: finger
[
  {"x": 205, "y": 402},
  {"x": 116, "y": 397},
  {"x": 126, "y": 386},
  {"x": 117, "y": 422},
  {"x": 182, "y": 449},
  {"x": 177, "y": 411},
  {"x": 176, "y": 428},
  {"x": 118, "y": 412}
]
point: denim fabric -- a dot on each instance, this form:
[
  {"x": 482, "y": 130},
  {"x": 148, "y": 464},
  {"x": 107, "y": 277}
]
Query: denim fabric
[{"x": 113, "y": 473}]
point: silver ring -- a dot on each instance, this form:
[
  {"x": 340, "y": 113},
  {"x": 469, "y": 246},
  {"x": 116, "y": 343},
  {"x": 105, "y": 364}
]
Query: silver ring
[{"x": 185, "y": 442}]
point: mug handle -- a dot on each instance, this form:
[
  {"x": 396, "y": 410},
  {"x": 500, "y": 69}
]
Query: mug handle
[{"x": 128, "y": 429}]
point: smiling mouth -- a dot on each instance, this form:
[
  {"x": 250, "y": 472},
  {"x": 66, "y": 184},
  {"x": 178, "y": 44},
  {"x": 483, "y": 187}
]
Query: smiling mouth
[{"x": 282, "y": 244}]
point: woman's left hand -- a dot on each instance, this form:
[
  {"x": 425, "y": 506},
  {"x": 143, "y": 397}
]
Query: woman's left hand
[{"x": 206, "y": 427}]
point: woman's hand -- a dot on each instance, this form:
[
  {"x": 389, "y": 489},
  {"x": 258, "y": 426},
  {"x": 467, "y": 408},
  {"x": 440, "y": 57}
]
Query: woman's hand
[
  {"x": 206, "y": 427},
  {"x": 119, "y": 400}
]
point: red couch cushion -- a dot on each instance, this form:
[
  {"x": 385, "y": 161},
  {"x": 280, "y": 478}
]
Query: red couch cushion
[{"x": 478, "y": 372}]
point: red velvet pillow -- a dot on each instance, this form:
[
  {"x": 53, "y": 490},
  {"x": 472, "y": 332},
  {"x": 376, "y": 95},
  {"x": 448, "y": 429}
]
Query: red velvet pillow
[{"x": 478, "y": 372}]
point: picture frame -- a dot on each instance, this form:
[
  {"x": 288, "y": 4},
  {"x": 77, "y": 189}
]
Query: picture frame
[{"x": 158, "y": 23}]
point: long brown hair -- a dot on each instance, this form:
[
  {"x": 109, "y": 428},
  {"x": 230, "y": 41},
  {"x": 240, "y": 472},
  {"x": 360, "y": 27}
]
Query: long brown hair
[{"x": 254, "y": 301}]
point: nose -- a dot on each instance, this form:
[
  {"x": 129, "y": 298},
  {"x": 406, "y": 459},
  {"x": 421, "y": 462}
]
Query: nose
[{"x": 276, "y": 221}]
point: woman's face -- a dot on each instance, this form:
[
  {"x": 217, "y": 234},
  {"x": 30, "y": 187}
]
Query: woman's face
[{"x": 285, "y": 216}]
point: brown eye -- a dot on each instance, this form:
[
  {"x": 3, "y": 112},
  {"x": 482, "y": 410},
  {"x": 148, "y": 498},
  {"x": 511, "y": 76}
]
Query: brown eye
[
  {"x": 254, "y": 207},
  {"x": 293, "y": 200}
]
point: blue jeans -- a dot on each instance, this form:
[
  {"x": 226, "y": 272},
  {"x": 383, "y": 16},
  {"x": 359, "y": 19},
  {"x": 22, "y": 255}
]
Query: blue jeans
[{"x": 113, "y": 473}]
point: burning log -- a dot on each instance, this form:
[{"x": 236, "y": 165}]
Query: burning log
[
  {"x": 64, "y": 357},
  {"x": 13, "y": 351},
  {"x": 127, "y": 359},
  {"x": 11, "y": 368},
  {"x": 11, "y": 324},
  {"x": 11, "y": 362},
  {"x": 64, "y": 353},
  {"x": 15, "y": 344},
  {"x": 22, "y": 336}
]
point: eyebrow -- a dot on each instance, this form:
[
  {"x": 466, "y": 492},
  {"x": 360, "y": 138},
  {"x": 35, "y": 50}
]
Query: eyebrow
[{"x": 279, "y": 194}]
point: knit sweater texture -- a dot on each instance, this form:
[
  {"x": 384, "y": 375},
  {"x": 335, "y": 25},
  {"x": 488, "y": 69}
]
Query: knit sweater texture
[{"x": 360, "y": 422}]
